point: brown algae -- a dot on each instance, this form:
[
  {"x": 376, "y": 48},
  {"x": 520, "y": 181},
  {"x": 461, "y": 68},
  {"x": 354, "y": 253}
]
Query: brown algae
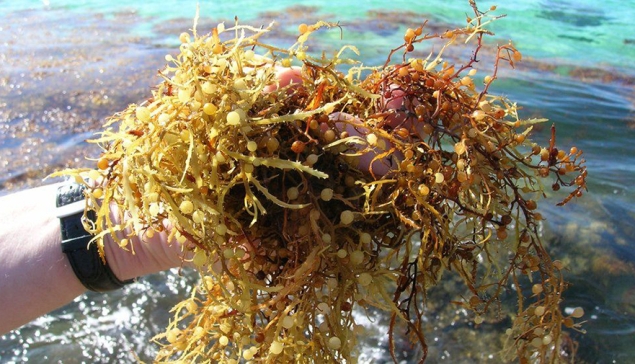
[{"x": 269, "y": 190}]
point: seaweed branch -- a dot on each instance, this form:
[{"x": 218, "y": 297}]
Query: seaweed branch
[{"x": 340, "y": 191}]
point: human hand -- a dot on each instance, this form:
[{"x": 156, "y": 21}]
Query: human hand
[{"x": 147, "y": 253}]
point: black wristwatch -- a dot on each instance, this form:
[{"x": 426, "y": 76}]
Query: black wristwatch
[{"x": 83, "y": 257}]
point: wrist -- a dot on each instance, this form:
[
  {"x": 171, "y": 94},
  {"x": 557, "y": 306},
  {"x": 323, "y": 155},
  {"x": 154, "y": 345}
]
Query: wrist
[{"x": 81, "y": 251}]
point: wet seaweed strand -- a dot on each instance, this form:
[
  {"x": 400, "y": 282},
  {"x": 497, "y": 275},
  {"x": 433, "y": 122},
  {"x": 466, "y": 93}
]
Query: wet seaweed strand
[{"x": 291, "y": 232}]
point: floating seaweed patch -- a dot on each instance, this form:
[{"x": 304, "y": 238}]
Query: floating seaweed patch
[{"x": 303, "y": 188}]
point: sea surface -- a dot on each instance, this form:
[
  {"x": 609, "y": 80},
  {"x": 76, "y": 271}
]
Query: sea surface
[{"x": 66, "y": 65}]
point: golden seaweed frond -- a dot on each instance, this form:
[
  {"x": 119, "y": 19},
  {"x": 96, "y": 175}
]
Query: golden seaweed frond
[{"x": 352, "y": 188}]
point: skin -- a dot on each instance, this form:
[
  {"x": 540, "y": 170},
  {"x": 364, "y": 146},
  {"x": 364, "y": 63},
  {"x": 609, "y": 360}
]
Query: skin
[{"x": 36, "y": 277}]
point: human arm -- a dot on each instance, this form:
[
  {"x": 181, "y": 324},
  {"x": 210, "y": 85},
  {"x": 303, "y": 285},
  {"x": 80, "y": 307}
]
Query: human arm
[{"x": 36, "y": 277}]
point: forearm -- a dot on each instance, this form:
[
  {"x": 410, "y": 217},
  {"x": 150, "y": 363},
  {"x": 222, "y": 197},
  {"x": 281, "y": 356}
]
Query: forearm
[{"x": 35, "y": 276}]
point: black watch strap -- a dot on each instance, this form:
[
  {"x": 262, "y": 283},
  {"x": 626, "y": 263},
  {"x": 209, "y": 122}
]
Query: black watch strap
[{"x": 83, "y": 257}]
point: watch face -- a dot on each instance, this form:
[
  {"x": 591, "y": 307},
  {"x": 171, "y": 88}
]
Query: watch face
[{"x": 69, "y": 193}]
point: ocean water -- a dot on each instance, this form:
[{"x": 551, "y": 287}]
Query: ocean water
[{"x": 65, "y": 66}]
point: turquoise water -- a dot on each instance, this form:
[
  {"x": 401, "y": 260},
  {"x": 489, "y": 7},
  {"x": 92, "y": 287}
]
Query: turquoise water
[{"x": 66, "y": 65}]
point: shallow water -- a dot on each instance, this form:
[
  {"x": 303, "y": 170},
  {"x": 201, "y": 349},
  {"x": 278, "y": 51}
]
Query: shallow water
[{"x": 65, "y": 66}]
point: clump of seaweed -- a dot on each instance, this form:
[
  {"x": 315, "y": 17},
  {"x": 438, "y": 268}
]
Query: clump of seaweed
[{"x": 353, "y": 187}]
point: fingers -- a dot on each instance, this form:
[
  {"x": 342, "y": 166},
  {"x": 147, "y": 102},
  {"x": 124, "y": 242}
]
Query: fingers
[
  {"x": 369, "y": 160},
  {"x": 285, "y": 77},
  {"x": 374, "y": 160},
  {"x": 393, "y": 101},
  {"x": 396, "y": 100}
]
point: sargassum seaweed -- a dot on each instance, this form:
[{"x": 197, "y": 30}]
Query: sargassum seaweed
[{"x": 354, "y": 187}]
